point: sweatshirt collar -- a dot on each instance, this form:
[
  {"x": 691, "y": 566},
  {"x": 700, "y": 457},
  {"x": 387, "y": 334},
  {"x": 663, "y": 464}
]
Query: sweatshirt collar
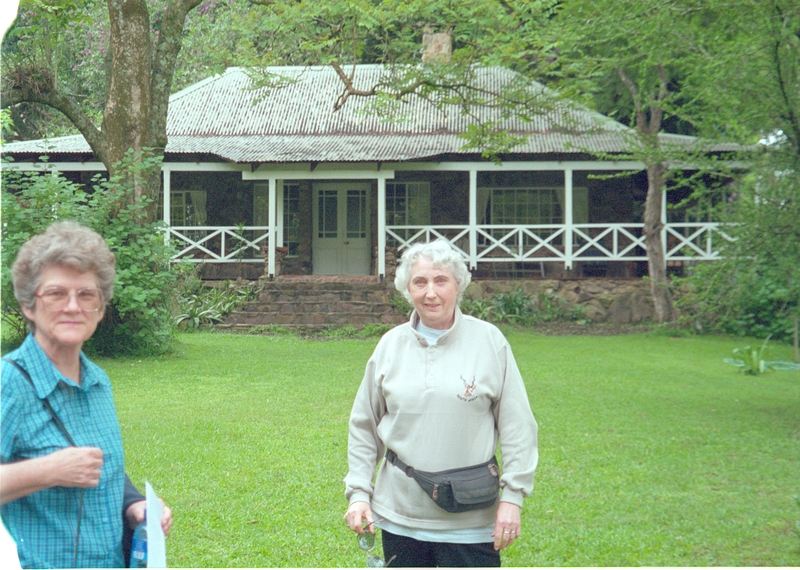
[{"x": 446, "y": 338}]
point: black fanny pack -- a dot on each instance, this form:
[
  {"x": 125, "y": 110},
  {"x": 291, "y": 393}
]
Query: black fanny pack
[{"x": 456, "y": 490}]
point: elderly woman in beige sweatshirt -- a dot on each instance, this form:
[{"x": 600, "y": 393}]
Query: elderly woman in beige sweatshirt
[{"x": 438, "y": 393}]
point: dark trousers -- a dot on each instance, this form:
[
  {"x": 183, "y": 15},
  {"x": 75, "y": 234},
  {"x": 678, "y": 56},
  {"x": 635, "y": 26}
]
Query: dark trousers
[{"x": 411, "y": 553}]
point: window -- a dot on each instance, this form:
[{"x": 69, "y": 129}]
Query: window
[
  {"x": 186, "y": 208},
  {"x": 291, "y": 218},
  {"x": 357, "y": 214},
  {"x": 407, "y": 204},
  {"x": 328, "y": 214},
  {"x": 525, "y": 206},
  {"x": 290, "y": 231}
]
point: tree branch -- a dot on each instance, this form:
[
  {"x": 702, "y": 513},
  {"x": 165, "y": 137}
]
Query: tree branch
[
  {"x": 657, "y": 111},
  {"x": 14, "y": 95},
  {"x": 641, "y": 116},
  {"x": 349, "y": 89},
  {"x": 791, "y": 117},
  {"x": 165, "y": 57}
]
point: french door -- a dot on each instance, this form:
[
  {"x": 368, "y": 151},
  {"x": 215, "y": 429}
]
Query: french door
[{"x": 341, "y": 243}]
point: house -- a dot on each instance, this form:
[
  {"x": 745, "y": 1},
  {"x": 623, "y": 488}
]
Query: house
[{"x": 249, "y": 172}]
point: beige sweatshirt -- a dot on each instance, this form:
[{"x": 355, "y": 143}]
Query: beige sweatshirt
[{"x": 439, "y": 407}]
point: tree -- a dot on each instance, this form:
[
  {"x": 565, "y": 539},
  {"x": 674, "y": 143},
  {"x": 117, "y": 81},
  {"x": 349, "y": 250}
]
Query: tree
[
  {"x": 755, "y": 288},
  {"x": 632, "y": 46},
  {"x": 138, "y": 83},
  {"x": 748, "y": 72}
]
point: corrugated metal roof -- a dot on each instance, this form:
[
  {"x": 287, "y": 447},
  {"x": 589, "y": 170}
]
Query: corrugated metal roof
[{"x": 223, "y": 116}]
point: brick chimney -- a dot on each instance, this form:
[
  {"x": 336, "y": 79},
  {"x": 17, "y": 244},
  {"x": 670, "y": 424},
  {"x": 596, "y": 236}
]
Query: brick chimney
[{"x": 436, "y": 46}]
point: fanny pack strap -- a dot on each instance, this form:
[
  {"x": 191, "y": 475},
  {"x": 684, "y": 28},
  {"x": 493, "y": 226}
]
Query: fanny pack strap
[{"x": 392, "y": 458}]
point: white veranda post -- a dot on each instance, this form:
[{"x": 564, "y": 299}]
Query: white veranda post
[
  {"x": 381, "y": 227},
  {"x": 271, "y": 222},
  {"x": 167, "y": 201},
  {"x": 473, "y": 219}
]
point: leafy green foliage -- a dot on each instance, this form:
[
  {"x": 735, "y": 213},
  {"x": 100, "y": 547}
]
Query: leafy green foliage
[
  {"x": 349, "y": 332},
  {"x": 753, "y": 360},
  {"x": 399, "y": 303},
  {"x": 56, "y": 44},
  {"x": 754, "y": 289},
  {"x": 479, "y": 308},
  {"x": 197, "y": 304},
  {"x": 518, "y": 308},
  {"x": 6, "y": 124},
  {"x": 137, "y": 320}
]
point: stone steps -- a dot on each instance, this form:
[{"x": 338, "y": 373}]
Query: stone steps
[{"x": 319, "y": 302}]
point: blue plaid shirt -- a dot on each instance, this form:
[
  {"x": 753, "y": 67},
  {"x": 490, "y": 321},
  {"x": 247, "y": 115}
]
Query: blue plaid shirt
[{"x": 44, "y": 523}]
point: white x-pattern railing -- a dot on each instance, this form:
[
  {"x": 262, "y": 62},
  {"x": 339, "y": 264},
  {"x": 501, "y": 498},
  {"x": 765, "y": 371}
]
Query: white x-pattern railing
[
  {"x": 226, "y": 244},
  {"x": 615, "y": 242},
  {"x": 559, "y": 242},
  {"x": 688, "y": 241},
  {"x": 404, "y": 236},
  {"x": 520, "y": 243},
  {"x": 486, "y": 244}
]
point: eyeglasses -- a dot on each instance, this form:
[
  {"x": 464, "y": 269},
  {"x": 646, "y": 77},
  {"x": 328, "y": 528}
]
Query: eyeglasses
[
  {"x": 366, "y": 542},
  {"x": 57, "y": 299}
]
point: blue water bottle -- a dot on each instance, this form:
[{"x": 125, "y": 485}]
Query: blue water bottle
[{"x": 139, "y": 545}]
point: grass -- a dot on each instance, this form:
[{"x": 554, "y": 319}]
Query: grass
[{"x": 653, "y": 451}]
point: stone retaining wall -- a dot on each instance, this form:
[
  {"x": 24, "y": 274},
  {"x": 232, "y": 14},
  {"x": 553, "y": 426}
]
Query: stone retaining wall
[{"x": 620, "y": 301}]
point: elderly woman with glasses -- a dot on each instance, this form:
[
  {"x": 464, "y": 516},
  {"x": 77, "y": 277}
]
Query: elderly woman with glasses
[
  {"x": 63, "y": 489},
  {"x": 438, "y": 394}
]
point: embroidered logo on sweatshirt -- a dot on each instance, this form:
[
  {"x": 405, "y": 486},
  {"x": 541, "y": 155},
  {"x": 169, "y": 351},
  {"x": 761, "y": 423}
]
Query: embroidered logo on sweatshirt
[{"x": 468, "y": 390}]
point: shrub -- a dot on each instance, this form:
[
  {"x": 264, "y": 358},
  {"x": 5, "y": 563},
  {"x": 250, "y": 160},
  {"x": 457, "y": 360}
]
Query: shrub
[
  {"x": 753, "y": 289},
  {"x": 515, "y": 308},
  {"x": 479, "y": 308},
  {"x": 399, "y": 303},
  {"x": 518, "y": 308},
  {"x": 137, "y": 320},
  {"x": 197, "y": 304}
]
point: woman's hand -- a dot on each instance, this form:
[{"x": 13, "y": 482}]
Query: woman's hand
[
  {"x": 68, "y": 467},
  {"x": 77, "y": 466},
  {"x": 507, "y": 525},
  {"x": 357, "y": 512},
  {"x": 135, "y": 514}
]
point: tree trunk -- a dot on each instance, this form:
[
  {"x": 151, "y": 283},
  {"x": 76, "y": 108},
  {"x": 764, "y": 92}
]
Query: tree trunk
[
  {"x": 648, "y": 125},
  {"x": 653, "y": 226},
  {"x": 127, "y": 115}
]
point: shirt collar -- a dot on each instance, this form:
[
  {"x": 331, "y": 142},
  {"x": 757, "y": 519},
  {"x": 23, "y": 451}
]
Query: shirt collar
[
  {"x": 46, "y": 376},
  {"x": 446, "y": 337}
]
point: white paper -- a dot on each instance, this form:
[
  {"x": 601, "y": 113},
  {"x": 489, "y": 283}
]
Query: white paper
[
  {"x": 8, "y": 550},
  {"x": 156, "y": 547}
]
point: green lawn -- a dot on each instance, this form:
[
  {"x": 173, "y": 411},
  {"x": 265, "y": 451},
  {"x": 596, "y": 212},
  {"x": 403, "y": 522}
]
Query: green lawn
[{"x": 653, "y": 451}]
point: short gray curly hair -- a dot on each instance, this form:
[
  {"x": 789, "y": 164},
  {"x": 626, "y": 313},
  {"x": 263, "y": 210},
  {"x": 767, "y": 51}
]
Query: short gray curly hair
[
  {"x": 442, "y": 255},
  {"x": 66, "y": 244}
]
